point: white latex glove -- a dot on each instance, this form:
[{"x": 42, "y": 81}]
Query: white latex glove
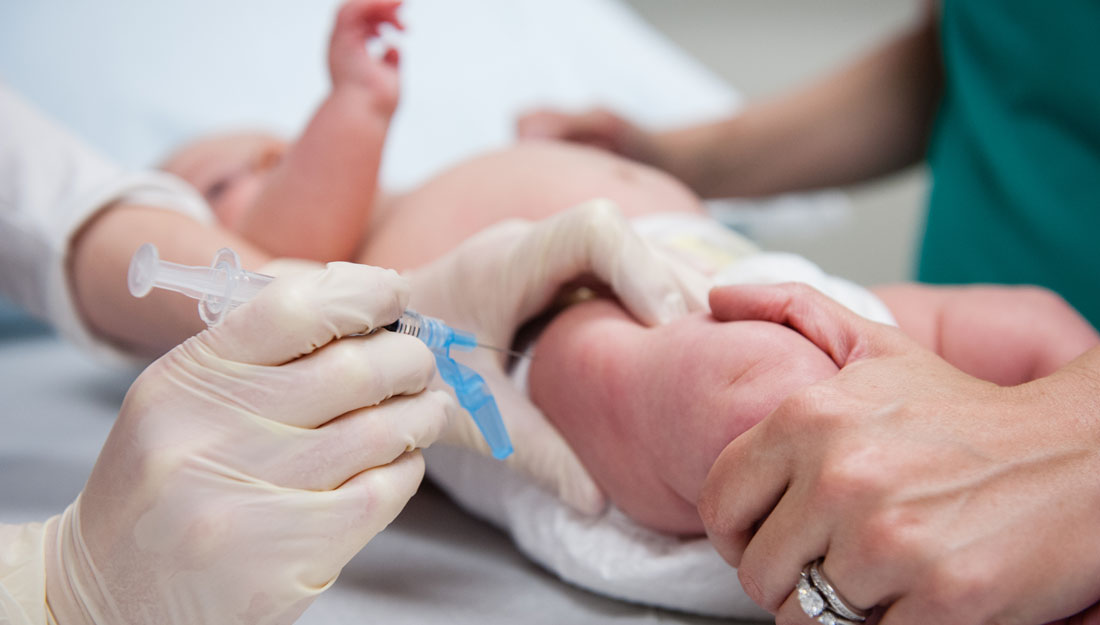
[
  {"x": 247, "y": 466},
  {"x": 504, "y": 276}
]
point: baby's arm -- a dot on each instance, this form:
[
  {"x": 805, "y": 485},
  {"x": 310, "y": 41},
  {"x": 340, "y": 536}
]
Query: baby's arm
[
  {"x": 317, "y": 202},
  {"x": 648, "y": 410}
]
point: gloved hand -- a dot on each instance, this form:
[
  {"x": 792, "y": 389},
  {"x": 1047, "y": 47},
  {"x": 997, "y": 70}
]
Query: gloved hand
[
  {"x": 504, "y": 276},
  {"x": 249, "y": 464}
]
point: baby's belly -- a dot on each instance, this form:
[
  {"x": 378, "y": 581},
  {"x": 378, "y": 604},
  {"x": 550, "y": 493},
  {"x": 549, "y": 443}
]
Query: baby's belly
[{"x": 529, "y": 181}]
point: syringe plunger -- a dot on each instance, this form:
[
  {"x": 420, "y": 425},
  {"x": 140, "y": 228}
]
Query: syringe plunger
[{"x": 220, "y": 288}]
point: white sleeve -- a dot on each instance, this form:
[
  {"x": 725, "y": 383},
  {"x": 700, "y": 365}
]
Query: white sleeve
[
  {"x": 22, "y": 574},
  {"x": 51, "y": 184}
]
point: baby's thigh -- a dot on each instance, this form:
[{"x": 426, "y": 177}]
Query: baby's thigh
[{"x": 649, "y": 409}]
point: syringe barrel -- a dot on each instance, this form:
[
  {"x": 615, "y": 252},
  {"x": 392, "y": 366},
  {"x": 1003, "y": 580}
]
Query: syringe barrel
[
  {"x": 219, "y": 288},
  {"x": 193, "y": 282},
  {"x": 248, "y": 286}
]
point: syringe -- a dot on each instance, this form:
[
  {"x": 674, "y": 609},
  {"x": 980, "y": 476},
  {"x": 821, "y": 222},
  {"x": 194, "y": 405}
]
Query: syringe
[{"x": 223, "y": 286}]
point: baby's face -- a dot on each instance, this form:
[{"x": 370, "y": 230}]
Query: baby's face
[{"x": 229, "y": 170}]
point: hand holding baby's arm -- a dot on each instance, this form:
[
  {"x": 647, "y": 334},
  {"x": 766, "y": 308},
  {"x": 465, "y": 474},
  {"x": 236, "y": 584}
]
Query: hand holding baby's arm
[
  {"x": 350, "y": 64},
  {"x": 506, "y": 275}
]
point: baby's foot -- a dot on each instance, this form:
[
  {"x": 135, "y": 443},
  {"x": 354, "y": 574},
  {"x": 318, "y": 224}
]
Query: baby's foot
[{"x": 351, "y": 66}]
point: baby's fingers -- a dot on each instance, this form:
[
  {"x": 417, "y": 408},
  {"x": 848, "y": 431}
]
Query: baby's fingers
[{"x": 365, "y": 16}]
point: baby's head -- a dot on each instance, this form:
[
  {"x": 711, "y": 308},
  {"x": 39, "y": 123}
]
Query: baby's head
[{"x": 229, "y": 169}]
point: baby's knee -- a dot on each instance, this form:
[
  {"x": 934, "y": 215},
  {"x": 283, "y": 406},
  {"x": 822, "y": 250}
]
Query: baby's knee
[
  {"x": 1045, "y": 304},
  {"x": 1061, "y": 332},
  {"x": 1034, "y": 312},
  {"x": 1012, "y": 334}
]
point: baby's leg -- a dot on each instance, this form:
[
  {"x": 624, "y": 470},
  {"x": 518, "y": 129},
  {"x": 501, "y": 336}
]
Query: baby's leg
[
  {"x": 1007, "y": 335},
  {"x": 648, "y": 410}
]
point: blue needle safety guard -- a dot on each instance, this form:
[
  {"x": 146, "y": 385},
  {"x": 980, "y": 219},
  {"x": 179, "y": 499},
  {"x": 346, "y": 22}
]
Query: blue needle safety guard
[{"x": 469, "y": 387}]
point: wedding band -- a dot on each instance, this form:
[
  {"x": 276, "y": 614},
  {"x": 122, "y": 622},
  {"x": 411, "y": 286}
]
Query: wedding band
[{"x": 827, "y": 591}]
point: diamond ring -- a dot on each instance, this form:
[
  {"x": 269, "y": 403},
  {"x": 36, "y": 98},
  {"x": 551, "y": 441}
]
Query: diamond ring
[
  {"x": 820, "y": 601},
  {"x": 838, "y": 605}
]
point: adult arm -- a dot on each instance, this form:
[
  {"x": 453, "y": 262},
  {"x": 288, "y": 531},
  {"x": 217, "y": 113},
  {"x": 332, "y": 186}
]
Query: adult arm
[
  {"x": 99, "y": 258},
  {"x": 930, "y": 494},
  {"x": 69, "y": 221},
  {"x": 868, "y": 119}
]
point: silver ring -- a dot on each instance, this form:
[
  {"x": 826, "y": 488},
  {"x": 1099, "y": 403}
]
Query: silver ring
[
  {"x": 814, "y": 605},
  {"x": 830, "y": 594}
]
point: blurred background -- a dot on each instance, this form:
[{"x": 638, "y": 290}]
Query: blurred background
[{"x": 739, "y": 40}]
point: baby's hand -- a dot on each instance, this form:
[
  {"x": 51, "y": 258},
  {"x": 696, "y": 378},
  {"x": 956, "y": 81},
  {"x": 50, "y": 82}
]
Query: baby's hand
[{"x": 348, "y": 60}]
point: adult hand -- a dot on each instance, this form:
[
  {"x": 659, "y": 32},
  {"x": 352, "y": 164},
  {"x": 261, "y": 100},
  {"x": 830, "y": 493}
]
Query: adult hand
[
  {"x": 506, "y": 275},
  {"x": 598, "y": 128},
  {"x": 249, "y": 464},
  {"x": 932, "y": 495}
]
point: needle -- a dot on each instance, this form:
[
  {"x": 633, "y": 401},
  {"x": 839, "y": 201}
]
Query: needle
[{"x": 510, "y": 352}]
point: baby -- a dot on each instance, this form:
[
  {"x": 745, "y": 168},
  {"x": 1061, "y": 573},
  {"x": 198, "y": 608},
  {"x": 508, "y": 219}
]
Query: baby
[{"x": 646, "y": 409}]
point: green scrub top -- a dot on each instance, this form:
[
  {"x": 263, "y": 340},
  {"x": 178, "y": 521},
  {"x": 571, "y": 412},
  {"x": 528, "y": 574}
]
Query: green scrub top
[{"x": 1015, "y": 150}]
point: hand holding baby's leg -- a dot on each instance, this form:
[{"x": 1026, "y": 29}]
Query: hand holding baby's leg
[
  {"x": 648, "y": 410},
  {"x": 350, "y": 64}
]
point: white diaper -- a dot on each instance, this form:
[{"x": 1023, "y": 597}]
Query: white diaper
[
  {"x": 729, "y": 258},
  {"x": 611, "y": 554}
]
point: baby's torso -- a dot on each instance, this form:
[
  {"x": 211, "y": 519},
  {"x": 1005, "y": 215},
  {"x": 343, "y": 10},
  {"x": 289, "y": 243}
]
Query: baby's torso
[{"x": 528, "y": 181}]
